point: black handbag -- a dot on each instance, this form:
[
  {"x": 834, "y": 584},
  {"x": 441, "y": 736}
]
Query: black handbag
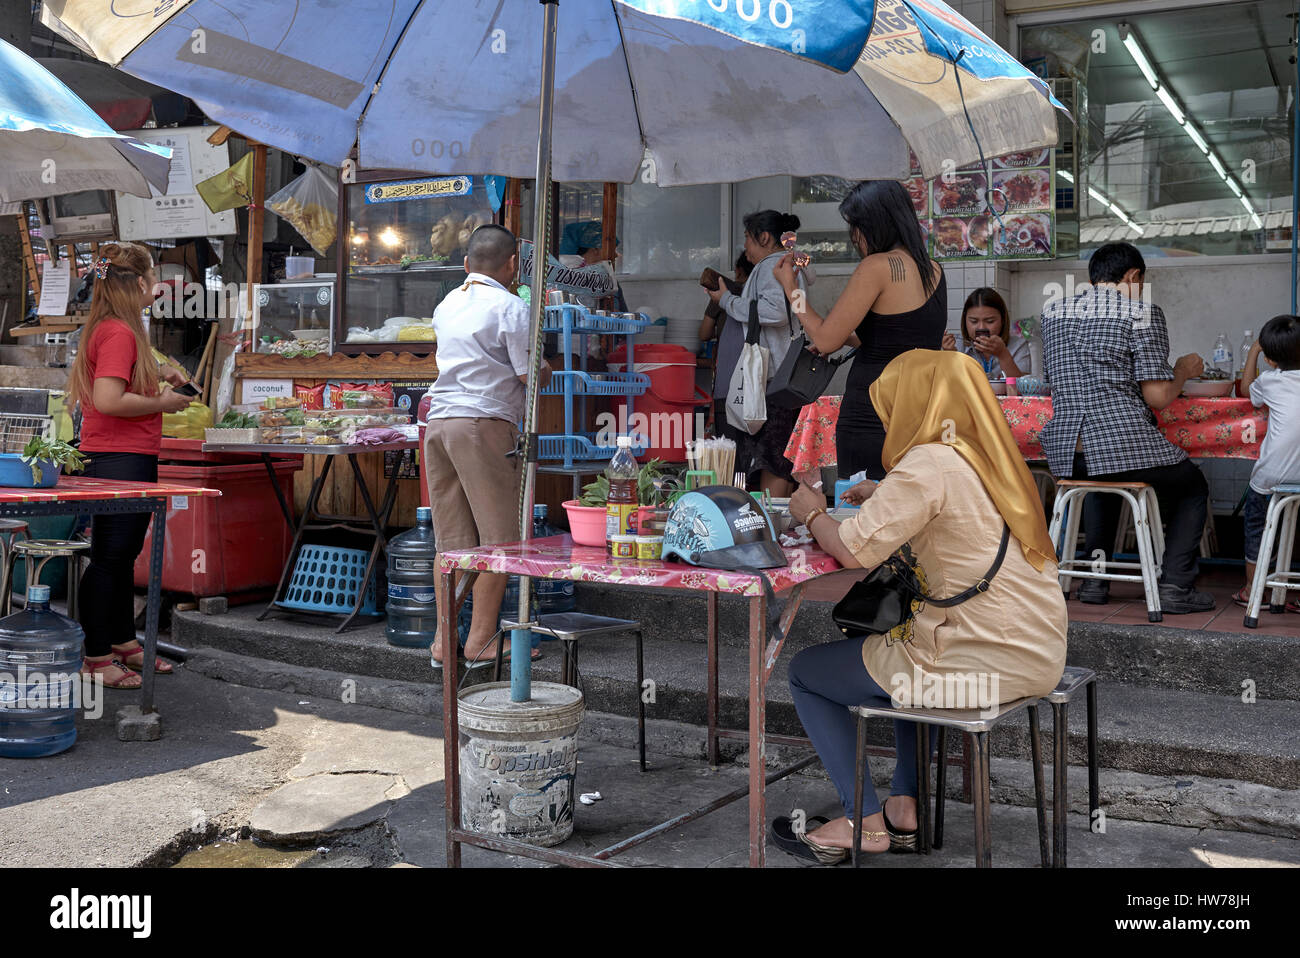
[
  {"x": 803, "y": 375},
  {"x": 883, "y": 600}
]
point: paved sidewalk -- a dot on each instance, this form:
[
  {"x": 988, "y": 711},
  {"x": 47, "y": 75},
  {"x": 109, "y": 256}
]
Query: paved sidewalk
[{"x": 227, "y": 752}]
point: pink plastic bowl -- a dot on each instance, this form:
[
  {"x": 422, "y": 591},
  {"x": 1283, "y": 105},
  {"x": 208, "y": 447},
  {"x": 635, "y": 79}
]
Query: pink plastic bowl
[{"x": 586, "y": 523}]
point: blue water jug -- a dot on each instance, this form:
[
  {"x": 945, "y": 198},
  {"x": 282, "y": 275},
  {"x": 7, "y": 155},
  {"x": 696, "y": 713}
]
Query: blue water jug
[
  {"x": 40, "y": 681},
  {"x": 412, "y": 572}
]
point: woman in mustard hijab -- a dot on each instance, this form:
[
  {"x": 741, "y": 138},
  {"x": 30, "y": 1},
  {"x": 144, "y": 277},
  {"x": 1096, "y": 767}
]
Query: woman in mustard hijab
[{"x": 954, "y": 481}]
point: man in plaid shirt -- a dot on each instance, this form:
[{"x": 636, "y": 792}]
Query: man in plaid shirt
[{"x": 1106, "y": 355}]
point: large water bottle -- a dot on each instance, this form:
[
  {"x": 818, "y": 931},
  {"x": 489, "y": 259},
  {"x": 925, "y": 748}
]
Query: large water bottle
[
  {"x": 40, "y": 665},
  {"x": 412, "y": 572},
  {"x": 1222, "y": 359}
]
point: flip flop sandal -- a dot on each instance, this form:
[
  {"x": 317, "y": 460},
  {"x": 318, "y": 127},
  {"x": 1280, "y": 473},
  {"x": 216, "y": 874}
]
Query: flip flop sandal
[
  {"x": 785, "y": 837},
  {"x": 1242, "y": 597},
  {"x": 900, "y": 842},
  {"x": 129, "y": 682},
  {"x": 160, "y": 665},
  {"x": 490, "y": 660}
]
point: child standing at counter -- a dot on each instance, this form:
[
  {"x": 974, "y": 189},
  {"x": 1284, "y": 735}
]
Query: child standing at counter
[{"x": 117, "y": 382}]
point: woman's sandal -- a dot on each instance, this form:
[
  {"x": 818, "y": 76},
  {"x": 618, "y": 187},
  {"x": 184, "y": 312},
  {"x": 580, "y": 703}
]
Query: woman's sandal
[
  {"x": 127, "y": 681},
  {"x": 130, "y": 656},
  {"x": 830, "y": 855},
  {"x": 900, "y": 842}
]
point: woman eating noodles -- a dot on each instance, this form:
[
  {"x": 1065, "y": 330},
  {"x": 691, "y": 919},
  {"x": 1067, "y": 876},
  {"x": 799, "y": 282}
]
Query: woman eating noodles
[
  {"x": 896, "y": 300},
  {"x": 116, "y": 380},
  {"x": 954, "y": 483}
]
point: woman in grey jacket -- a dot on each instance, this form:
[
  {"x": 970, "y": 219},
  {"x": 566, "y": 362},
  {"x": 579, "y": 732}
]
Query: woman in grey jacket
[{"x": 764, "y": 451}]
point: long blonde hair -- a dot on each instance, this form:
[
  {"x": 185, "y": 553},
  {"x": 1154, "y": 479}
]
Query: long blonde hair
[{"x": 116, "y": 296}]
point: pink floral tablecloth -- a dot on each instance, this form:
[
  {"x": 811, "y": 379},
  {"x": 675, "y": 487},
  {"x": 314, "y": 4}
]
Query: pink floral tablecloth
[
  {"x": 556, "y": 557},
  {"x": 1206, "y": 428}
]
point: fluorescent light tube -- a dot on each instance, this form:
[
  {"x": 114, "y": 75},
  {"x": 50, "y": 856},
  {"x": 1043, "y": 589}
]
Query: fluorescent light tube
[
  {"x": 1195, "y": 134},
  {"x": 1140, "y": 58},
  {"x": 1068, "y": 177},
  {"x": 1218, "y": 166},
  {"x": 1171, "y": 105},
  {"x": 1098, "y": 197},
  {"x": 1232, "y": 185}
]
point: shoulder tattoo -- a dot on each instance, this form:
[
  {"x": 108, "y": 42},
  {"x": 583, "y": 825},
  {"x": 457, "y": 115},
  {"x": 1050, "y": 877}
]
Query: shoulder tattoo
[{"x": 897, "y": 269}]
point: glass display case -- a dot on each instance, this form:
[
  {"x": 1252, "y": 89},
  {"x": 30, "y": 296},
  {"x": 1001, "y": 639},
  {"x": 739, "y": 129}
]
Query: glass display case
[
  {"x": 405, "y": 251},
  {"x": 294, "y": 319}
]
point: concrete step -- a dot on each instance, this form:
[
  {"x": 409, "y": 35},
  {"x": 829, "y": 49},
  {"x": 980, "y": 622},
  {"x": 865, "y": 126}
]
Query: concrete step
[
  {"x": 1141, "y": 728},
  {"x": 1173, "y": 798},
  {"x": 1154, "y": 655}
]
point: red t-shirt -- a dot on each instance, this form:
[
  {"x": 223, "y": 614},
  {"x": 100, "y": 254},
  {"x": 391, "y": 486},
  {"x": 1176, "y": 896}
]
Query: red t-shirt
[{"x": 111, "y": 352}]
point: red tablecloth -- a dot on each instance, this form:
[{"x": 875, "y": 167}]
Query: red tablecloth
[
  {"x": 556, "y": 557},
  {"x": 1206, "y": 428},
  {"x": 83, "y": 488}
]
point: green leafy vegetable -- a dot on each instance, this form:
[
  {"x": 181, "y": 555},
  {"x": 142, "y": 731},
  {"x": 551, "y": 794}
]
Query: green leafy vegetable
[
  {"x": 40, "y": 450},
  {"x": 237, "y": 420},
  {"x": 597, "y": 493}
]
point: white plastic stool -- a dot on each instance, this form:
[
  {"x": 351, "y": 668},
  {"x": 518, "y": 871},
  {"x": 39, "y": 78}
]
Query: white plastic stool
[
  {"x": 1279, "y": 528},
  {"x": 1148, "y": 531}
]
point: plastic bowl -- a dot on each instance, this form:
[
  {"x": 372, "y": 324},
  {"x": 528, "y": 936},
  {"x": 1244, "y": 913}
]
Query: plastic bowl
[
  {"x": 1208, "y": 388},
  {"x": 310, "y": 334},
  {"x": 999, "y": 386},
  {"x": 586, "y": 523},
  {"x": 15, "y": 473}
]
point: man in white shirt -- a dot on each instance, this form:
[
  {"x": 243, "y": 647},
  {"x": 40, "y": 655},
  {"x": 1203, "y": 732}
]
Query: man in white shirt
[{"x": 475, "y": 406}]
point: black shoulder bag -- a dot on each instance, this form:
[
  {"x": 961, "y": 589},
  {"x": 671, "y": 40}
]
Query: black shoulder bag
[
  {"x": 882, "y": 601},
  {"x": 803, "y": 375}
]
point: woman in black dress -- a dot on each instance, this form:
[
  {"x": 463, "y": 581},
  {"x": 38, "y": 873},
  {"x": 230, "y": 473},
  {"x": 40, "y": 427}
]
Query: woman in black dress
[{"x": 896, "y": 300}]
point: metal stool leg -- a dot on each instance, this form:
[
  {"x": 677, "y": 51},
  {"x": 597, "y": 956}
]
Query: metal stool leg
[
  {"x": 859, "y": 769},
  {"x": 8, "y": 598},
  {"x": 74, "y": 576},
  {"x": 1094, "y": 793},
  {"x": 500, "y": 657},
  {"x": 1060, "y": 775},
  {"x": 640, "y": 697},
  {"x": 923, "y": 834},
  {"x": 1040, "y": 800},
  {"x": 980, "y": 792},
  {"x": 571, "y": 663},
  {"x": 940, "y": 787}
]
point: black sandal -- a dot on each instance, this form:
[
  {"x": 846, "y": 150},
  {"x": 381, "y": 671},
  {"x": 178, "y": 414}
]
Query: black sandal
[
  {"x": 787, "y": 839},
  {"x": 900, "y": 842}
]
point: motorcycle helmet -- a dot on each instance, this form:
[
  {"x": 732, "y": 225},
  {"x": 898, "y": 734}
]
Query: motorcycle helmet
[{"x": 722, "y": 527}]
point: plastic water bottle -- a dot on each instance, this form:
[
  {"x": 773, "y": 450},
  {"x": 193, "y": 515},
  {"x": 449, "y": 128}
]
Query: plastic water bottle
[
  {"x": 1222, "y": 360},
  {"x": 549, "y": 595},
  {"x": 40, "y": 681},
  {"x": 412, "y": 573}
]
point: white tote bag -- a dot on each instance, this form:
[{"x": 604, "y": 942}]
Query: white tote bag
[{"x": 747, "y": 395}]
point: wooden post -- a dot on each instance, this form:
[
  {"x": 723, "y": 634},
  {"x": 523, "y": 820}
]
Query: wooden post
[
  {"x": 609, "y": 222},
  {"x": 29, "y": 257},
  {"x": 513, "y": 213},
  {"x": 256, "y": 215}
]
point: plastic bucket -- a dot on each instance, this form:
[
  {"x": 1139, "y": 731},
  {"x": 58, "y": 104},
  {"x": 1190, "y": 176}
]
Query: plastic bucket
[
  {"x": 586, "y": 523},
  {"x": 671, "y": 369},
  {"x": 299, "y": 267},
  {"x": 518, "y": 761},
  {"x": 668, "y": 424}
]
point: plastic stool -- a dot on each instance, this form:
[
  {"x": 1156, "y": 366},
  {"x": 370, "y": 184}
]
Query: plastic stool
[
  {"x": 1279, "y": 530},
  {"x": 568, "y": 627},
  {"x": 1075, "y": 678},
  {"x": 10, "y": 530},
  {"x": 35, "y": 553},
  {"x": 1150, "y": 535},
  {"x": 977, "y": 725}
]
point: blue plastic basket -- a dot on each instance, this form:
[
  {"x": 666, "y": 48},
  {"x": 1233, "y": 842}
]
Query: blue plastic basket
[
  {"x": 586, "y": 384},
  {"x": 327, "y": 579},
  {"x": 581, "y": 321},
  {"x": 583, "y": 447}
]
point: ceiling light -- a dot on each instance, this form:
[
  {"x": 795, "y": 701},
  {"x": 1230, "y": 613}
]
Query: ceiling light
[
  {"x": 1232, "y": 185},
  {"x": 1098, "y": 197},
  {"x": 1068, "y": 177},
  {"x": 1218, "y": 166},
  {"x": 1195, "y": 134},
  {"x": 1139, "y": 55},
  {"x": 1171, "y": 105}
]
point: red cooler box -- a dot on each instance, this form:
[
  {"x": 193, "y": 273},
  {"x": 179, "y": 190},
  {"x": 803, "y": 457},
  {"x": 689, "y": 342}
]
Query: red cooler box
[{"x": 237, "y": 542}]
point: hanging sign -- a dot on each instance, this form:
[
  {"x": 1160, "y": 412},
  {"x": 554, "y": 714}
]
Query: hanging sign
[
  {"x": 594, "y": 280},
  {"x": 402, "y": 190}
]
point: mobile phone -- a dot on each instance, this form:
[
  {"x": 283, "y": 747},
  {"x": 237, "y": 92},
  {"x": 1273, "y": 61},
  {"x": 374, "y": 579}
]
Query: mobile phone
[{"x": 187, "y": 389}]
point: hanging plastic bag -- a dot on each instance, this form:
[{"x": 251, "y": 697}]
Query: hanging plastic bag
[
  {"x": 189, "y": 423},
  {"x": 310, "y": 205},
  {"x": 747, "y": 395}
]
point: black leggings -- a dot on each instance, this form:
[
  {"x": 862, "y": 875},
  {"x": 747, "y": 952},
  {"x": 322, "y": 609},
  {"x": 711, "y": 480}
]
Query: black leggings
[{"x": 107, "y": 594}]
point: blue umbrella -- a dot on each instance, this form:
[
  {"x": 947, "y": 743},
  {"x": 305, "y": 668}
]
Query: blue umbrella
[
  {"x": 52, "y": 143},
  {"x": 709, "y": 90}
]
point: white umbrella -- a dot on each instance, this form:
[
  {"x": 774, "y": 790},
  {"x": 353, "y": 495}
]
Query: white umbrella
[{"x": 52, "y": 143}]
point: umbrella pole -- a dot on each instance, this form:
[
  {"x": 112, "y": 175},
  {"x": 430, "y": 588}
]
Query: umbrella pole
[{"x": 521, "y": 666}]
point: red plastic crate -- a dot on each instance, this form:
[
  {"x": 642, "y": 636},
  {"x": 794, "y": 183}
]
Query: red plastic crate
[{"x": 237, "y": 542}]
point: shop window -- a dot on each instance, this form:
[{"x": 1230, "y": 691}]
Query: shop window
[{"x": 1185, "y": 121}]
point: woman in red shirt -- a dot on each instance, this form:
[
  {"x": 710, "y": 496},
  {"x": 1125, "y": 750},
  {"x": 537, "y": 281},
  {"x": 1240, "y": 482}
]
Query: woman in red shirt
[{"x": 117, "y": 382}]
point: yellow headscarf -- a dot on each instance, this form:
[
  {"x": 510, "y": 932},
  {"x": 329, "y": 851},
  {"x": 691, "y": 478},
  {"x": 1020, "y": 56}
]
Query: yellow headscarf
[{"x": 930, "y": 395}]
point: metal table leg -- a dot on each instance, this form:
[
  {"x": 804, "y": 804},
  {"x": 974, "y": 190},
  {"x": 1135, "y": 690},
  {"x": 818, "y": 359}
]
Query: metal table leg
[
  {"x": 159, "y": 509},
  {"x": 711, "y": 714},
  {"x": 380, "y": 545},
  {"x": 279, "y": 493},
  {"x": 450, "y": 720},
  {"x": 757, "y": 732},
  {"x": 1060, "y": 775},
  {"x": 309, "y": 510}
]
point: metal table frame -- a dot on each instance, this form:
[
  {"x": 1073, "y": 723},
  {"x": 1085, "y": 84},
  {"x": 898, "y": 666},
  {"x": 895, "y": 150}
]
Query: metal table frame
[
  {"x": 157, "y": 507},
  {"x": 765, "y": 642},
  {"x": 372, "y": 524}
]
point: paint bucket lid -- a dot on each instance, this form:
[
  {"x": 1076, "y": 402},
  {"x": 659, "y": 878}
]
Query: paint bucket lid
[{"x": 553, "y": 709}]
